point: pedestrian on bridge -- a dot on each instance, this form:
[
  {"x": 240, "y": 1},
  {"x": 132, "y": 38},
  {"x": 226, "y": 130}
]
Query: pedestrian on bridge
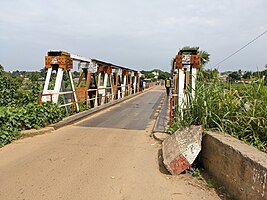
[
  {"x": 168, "y": 86},
  {"x": 141, "y": 85}
]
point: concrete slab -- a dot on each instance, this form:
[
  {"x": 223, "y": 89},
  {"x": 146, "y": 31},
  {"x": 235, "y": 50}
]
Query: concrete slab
[{"x": 181, "y": 149}]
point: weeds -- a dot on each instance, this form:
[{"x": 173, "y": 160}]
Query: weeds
[{"x": 237, "y": 109}]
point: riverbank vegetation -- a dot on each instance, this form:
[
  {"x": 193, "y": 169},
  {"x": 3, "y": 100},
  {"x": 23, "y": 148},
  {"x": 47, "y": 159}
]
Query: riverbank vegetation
[{"x": 239, "y": 109}]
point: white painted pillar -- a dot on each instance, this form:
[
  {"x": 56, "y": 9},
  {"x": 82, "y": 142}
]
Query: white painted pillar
[
  {"x": 96, "y": 96},
  {"x": 73, "y": 90},
  {"x": 111, "y": 85},
  {"x": 99, "y": 79},
  {"x": 135, "y": 84},
  {"x": 123, "y": 86},
  {"x": 105, "y": 89},
  {"x": 46, "y": 85},
  {"x": 102, "y": 88},
  {"x": 47, "y": 79},
  {"x": 57, "y": 84},
  {"x": 181, "y": 87}
]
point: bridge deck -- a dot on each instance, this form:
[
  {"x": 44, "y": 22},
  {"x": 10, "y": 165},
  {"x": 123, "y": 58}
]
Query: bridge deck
[{"x": 134, "y": 114}]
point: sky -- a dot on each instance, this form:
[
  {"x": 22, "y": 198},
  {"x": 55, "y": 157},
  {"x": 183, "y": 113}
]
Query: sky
[{"x": 138, "y": 34}]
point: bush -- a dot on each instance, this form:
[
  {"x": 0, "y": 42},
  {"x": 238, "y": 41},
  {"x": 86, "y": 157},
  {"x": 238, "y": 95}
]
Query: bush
[{"x": 33, "y": 115}]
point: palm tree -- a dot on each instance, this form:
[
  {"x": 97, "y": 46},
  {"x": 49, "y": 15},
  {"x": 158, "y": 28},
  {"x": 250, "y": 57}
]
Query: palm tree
[{"x": 204, "y": 56}]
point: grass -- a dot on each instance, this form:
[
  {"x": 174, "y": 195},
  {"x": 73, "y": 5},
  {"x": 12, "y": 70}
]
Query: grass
[{"x": 237, "y": 109}]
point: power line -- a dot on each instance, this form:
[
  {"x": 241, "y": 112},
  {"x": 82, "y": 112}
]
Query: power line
[{"x": 240, "y": 49}]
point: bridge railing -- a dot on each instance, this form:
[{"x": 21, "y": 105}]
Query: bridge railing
[
  {"x": 109, "y": 82},
  {"x": 184, "y": 74}
]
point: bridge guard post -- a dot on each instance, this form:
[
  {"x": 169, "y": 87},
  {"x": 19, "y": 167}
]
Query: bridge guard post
[
  {"x": 124, "y": 84},
  {"x": 116, "y": 82},
  {"x": 73, "y": 90},
  {"x": 184, "y": 71},
  {"x": 59, "y": 62},
  {"x": 102, "y": 86}
]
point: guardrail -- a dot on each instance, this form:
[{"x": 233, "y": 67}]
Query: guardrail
[{"x": 98, "y": 98}]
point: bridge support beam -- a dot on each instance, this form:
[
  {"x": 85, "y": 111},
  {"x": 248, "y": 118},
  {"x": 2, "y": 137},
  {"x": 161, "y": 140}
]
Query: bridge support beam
[
  {"x": 184, "y": 71},
  {"x": 60, "y": 62}
]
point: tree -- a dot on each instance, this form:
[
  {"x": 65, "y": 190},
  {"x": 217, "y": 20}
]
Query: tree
[
  {"x": 150, "y": 75},
  {"x": 204, "y": 55},
  {"x": 163, "y": 75},
  {"x": 247, "y": 74},
  {"x": 34, "y": 76},
  {"x": 1, "y": 68},
  {"x": 234, "y": 76}
]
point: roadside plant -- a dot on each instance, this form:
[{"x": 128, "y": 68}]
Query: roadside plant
[
  {"x": 33, "y": 115},
  {"x": 237, "y": 109}
]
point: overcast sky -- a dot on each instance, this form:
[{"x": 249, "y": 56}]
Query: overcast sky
[{"x": 139, "y": 34}]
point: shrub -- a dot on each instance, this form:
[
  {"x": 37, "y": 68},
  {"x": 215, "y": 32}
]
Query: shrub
[{"x": 33, "y": 115}]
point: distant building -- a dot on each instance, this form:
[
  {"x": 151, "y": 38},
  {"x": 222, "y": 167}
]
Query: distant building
[
  {"x": 156, "y": 74},
  {"x": 223, "y": 76}
]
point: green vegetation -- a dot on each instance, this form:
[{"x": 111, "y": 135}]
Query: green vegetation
[
  {"x": 196, "y": 172},
  {"x": 237, "y": 109},
  {"x": 19, "y": 108},
  {"x": 161, "y": 74},
  {"x": 32, "y": 115}
]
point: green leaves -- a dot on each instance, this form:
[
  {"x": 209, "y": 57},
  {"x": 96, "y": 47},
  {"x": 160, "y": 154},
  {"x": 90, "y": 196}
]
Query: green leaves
[
  {"x": 236, "y": 109},
  {"x": 33, "y": 115}
]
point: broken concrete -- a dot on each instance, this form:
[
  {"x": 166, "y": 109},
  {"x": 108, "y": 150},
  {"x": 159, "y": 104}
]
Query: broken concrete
[
  {"x": 160, "y": 136},
  {"x": 181, "y": 149}
]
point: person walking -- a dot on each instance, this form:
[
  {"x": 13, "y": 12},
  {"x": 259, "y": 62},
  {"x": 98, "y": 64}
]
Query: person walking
[
  {"x": 141, "y": 85},
  {"x": 168, "y": 86}
]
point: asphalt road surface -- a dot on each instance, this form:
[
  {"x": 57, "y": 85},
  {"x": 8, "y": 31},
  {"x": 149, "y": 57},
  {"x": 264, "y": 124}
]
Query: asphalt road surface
[{"x": 109, "y": 155}]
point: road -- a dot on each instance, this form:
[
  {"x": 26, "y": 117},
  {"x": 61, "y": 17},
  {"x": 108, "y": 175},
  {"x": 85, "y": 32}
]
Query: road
[{"x": 109, "y": 155}]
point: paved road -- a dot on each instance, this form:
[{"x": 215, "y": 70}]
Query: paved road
[
  {"x": 96, "y": 160},
  {"x": 131, "y": 115}
]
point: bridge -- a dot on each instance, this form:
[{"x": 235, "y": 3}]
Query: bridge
[
  {"x": 108, "y": 154},
  {"x": 100, "y": 82}
]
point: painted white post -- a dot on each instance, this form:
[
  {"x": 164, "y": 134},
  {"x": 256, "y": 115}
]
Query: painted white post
[
  {"x": 135, "y": 84},
  {"x": 47, "y": 79},
  {"x": 111, "y": 85},
  {"x": 105, "y": 88},
  {"x": 126, "y": 85},
  {"x": 99, "y": 79},
  {"x": 73, "y": 90},
  {"x": 181, "y": 87},
  {"x": 123, "y": 86},
  {"x": 96, "y": 96},
  {"x": 45, "y": 90},
  {"x": 58, "y": 84},
  {"x": 100, "y": 88}
]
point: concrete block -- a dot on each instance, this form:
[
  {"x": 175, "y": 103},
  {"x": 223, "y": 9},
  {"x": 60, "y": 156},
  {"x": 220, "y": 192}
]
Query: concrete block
[{"x": 181, "y": 149}]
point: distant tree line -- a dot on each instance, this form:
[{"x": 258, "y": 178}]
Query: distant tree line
[{"x": 151, "y": 74}]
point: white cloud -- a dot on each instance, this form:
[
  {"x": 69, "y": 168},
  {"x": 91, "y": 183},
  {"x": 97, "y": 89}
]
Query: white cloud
[{"x": 132, "y": 33}]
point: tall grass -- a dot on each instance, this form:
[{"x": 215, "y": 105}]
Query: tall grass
[{"x": 237, "y": 109}]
